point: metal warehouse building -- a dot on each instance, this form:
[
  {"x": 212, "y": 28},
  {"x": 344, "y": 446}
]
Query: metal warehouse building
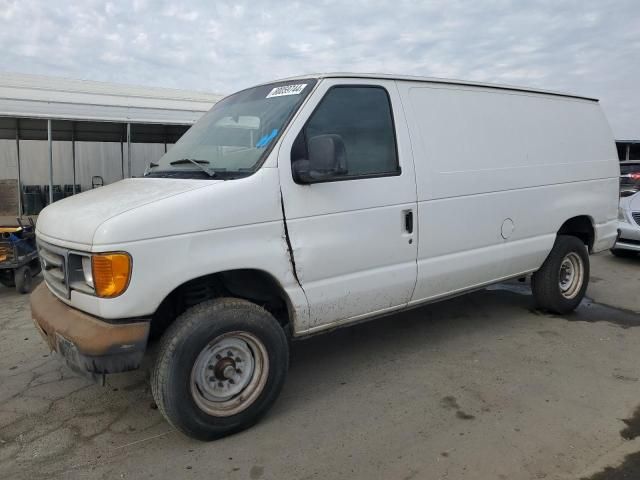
[
  {"x": 58, "y": 136},
  {"x": 628, "y": 150}
]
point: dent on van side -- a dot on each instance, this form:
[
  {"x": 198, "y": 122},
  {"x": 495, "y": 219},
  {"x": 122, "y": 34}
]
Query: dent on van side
[{"x": 310, "y": 203}]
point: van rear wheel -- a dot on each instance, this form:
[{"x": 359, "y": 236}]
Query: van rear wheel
[
  {"x": 220, "y": 366},
  {"x": 560, "y": 284}
]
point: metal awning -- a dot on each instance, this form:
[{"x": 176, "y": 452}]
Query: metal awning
[{"x": 34, "y": 96}]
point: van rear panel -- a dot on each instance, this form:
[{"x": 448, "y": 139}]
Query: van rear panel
[
  {"x": 476, "y": 140},
  {"x": 487, "y": 159}
]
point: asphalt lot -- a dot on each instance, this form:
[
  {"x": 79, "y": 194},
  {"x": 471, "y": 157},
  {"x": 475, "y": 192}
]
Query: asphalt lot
[{"x": 478, "y": 387}]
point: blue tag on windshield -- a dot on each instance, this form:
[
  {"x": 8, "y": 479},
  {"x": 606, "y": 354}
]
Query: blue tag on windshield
[{"x": 264, "y": 141}]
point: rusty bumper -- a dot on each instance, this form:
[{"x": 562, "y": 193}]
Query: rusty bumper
[{"x": 87, "y": 343}]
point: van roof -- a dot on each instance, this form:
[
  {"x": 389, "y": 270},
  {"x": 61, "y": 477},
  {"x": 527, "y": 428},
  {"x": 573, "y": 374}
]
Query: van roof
[{"x": 410, "y": 78}]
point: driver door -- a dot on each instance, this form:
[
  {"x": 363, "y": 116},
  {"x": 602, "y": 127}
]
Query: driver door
[{"x": 353, "y": 234}]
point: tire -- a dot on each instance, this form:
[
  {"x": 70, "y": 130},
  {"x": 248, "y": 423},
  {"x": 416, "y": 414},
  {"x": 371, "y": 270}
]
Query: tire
[
  {"x": 22, "y": 279},
  {"x": 555, "y": 288},
  {"x": 196, "y": 383},
  {"x": 622, "y": 253}
]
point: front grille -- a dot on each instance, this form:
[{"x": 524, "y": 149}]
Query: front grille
[
  {"x": 54, "y": 267},
  {"x": 636, "y": 217}
]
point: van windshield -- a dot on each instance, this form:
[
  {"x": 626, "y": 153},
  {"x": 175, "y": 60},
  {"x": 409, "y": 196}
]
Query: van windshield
[{"x": 235, "y": 136}]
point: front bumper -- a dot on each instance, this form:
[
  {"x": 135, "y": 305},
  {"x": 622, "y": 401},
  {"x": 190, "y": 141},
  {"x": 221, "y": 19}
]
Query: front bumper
[
  {"x": 629, "y": 238},
  {"x": 87, "y": 343},
  {"x": 623, "y": 244}
]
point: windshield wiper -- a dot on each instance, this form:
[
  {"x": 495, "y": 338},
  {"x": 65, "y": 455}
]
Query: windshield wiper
[{"x": 197, "y": 163}]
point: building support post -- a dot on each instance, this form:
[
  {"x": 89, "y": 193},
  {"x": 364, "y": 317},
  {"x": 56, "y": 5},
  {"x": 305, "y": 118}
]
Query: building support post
[
  {"x": 122, "y": 151},
  {"x": 129, "y": 148},
  {"x": 627, "y": 152},
  {"x": 164, "y": 137},
  {"x": 20, "y": 211},
  {"x": 73, "y": 153},
  {"x": 50, "y": 148}
]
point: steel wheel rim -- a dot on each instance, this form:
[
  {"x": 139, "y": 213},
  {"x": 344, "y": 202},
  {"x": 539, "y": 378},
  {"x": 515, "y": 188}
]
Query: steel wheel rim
[
  {"x": 229, "y": 374},
  {"x": 571, "y": 275}
]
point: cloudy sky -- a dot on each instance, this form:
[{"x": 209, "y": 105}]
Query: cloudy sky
[{"x": 587, "y": 47}]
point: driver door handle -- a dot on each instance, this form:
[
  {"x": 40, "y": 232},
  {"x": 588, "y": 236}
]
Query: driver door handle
[{"x": 408, "y": 221}]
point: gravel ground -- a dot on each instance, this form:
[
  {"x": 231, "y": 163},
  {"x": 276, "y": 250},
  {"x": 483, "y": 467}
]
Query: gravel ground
[{"x": 478, "y": 387}]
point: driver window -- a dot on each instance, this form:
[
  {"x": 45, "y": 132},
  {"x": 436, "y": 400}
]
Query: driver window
[{"x": 361, "y": 117}]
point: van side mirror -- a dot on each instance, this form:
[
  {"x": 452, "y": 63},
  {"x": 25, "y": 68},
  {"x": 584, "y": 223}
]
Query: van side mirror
[{"x": 327, "y": 159}]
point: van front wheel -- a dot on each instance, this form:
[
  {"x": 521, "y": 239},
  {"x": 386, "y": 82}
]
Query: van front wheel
[
  {"x": 220, "y": 366},
  {"x": 561, "y": 282}
]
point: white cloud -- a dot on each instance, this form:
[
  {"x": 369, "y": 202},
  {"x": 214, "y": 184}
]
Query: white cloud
[
  {"x": 8, "y": 9},
  {"x": 587, "y": 47}
]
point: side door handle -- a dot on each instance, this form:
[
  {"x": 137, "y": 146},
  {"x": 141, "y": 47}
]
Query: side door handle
[{"x": 408, "y": 221}]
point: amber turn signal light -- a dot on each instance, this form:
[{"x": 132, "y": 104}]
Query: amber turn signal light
[{"x": 111, "y": 273}]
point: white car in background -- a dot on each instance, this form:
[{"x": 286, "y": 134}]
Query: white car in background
[
  {"x": 628, "y": 243},
  {"x": 629, "y": 178}
]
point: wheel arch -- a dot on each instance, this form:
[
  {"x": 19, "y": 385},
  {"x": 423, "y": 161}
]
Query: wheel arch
[
  {"x": 255, "y": 285},
  {"x": 580, "y": 226}
]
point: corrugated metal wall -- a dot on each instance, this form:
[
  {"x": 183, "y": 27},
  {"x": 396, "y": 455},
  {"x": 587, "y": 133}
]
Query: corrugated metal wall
[{"x": 92, "y": 158}]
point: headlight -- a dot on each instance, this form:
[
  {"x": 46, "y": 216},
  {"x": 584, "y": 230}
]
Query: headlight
[{"x": 110, "y": 273}]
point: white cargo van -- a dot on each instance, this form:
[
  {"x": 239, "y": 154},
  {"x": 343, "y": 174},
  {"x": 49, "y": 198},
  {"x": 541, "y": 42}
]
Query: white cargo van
[{"x": 302, "y": 205}]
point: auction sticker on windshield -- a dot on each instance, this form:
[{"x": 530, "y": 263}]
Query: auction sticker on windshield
[{"x": 287, "y": 90}]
